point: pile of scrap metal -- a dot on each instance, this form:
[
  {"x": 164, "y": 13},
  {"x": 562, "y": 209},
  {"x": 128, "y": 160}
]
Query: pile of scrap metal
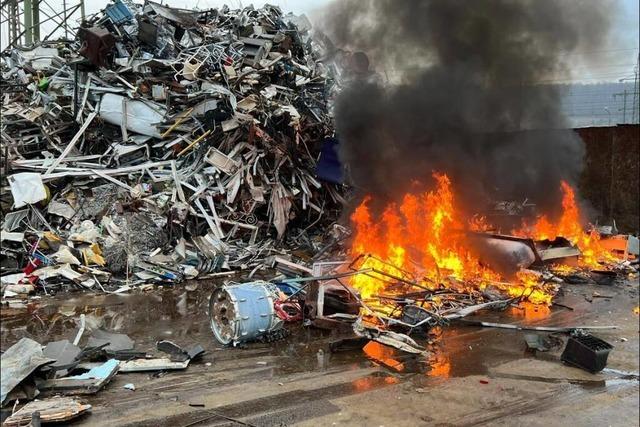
[
  {"x": 559, "y": 258},
  {"x": 174, "y": 144},
  {"x": 66, "y": 368}
]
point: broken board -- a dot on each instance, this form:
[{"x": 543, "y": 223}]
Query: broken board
[{"x": 54, "y": 410}]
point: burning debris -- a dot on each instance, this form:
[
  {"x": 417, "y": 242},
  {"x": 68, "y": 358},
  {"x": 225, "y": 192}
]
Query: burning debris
[
  {"x": 426, "y": 240},
  {"x": 423, "y": 254},
  {"x": 420, "y": 265}
]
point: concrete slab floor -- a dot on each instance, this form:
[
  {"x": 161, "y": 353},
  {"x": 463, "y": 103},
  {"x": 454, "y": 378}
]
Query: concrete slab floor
[{"x": 474, "y": 376}]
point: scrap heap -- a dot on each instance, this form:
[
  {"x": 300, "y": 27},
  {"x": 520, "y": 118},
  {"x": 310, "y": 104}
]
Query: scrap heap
[
  {"x": 162, "y": 144},
  {"x": 422, "y": 263},
  {"x": 429, "y": 264}
]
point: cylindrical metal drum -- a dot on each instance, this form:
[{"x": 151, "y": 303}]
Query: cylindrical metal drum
[{"x": 243, "y": 312}]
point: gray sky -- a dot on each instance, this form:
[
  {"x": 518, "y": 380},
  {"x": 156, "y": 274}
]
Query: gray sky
[{"x": 614, "y": 61}]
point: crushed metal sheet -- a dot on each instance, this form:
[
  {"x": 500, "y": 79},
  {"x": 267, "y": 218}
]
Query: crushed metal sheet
[{"x": 18, "y": 362}]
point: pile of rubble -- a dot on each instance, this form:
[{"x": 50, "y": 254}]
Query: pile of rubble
[
  {"x": 65, "y": 368},
  {"x": 165, "y": 144}
]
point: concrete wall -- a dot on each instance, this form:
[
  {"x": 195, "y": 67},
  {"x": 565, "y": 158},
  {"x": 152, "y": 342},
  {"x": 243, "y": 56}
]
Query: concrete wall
[{"x": 611, "y": 178}]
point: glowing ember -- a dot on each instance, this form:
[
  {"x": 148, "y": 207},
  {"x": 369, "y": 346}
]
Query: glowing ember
[
  {"x": 425, "y": 238},
  {"x": 569, "y": 226},
  {"x": 440, "y": 367}
]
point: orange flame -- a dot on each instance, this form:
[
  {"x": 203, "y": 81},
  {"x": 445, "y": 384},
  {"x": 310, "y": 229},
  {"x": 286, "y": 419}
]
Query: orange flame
[
  {"x": 570, "y": 227},
  {"x": 425, "y": 239},
  {"x": 479, "y": 223}
]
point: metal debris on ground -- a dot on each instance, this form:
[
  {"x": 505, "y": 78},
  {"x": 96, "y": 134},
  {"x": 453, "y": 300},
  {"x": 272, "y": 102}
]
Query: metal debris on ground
[
  {"x": 244, "y": 312},
  {"x": 18, "y": 363},
  {"x": 30, "y": 369},
  {"x": 87, "y": 383},
  {"x": 587, "y": 352}
]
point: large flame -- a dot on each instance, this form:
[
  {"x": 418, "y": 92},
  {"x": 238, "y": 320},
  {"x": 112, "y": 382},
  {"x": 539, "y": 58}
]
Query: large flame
[
  {"x": 425, "y": 238},
  {"x": 570, "y": 227}
]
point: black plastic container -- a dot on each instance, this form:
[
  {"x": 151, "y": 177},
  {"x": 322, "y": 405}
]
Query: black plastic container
[
  {"x": 586, "y": 352},
  {"x": 604, "y": 277}
]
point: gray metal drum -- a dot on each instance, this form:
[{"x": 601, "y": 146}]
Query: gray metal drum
[{"x": 243, "y": 312}]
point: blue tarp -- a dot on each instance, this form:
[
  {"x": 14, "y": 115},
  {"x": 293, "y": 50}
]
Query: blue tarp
[{"x": 329, "y": 167}]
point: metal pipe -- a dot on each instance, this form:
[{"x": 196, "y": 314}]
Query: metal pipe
[
  {"x": 28, "y": 22},
  {"x": 533, "y": 328},
  {"x": 328, "y": 277},
  {"x": 75, "y": 90},
  {"x": 35, "y": 15},
  {"x": 409, "y": 282},
  {"x": 66, "y": 26},
  {"x": 312, "y": 278}
]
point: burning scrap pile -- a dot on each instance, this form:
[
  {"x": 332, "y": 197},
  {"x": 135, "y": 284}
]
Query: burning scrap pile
[
  {"x": 424, "y": 251},
  {"x": 465, "y": 97},
  {"x": 163, "y": 144},
  {"x": 420, "y": 264}
]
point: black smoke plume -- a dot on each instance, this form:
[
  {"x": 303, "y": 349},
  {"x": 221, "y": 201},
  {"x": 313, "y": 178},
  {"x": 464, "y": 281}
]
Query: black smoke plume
[{"x": 460, "y": 88}]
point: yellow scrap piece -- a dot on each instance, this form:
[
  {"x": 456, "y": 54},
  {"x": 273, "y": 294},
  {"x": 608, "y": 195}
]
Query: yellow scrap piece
[
  {"x": 51, "y": 237},
  {"x": 200, "y": 138},
  {"x": 48, "y": 239},
  {"x": 178, "y": 121},
  {"x": 92, "y": 255}
]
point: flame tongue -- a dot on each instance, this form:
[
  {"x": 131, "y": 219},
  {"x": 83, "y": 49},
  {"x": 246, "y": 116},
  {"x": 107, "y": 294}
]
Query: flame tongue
[
  {"x": 569, "y": 226},
  {"x": 424, "y": 237}
]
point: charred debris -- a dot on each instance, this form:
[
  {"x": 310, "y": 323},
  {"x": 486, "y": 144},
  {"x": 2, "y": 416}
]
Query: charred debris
[{"x": 164, "y": 145}]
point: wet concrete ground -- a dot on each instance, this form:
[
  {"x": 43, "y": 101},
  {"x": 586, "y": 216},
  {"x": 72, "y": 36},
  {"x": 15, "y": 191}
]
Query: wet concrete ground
[{"x": 474, "y": 376}]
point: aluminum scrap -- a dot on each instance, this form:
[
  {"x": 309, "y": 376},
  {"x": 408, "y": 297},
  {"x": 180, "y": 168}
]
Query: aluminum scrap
[{"x": 164, "y": 144}]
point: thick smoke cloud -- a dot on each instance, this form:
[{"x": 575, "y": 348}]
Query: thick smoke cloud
[{"x": 462, "y": 83}]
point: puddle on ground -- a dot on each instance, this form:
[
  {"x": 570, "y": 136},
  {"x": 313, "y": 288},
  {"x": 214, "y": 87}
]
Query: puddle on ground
[
  {"x": 179, "y": 313},
  {"x": 595, "y": 384},
  {"x": 165, "y": 313}
]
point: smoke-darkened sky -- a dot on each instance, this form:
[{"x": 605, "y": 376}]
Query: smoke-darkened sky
[{"x": 467, "y": 88}]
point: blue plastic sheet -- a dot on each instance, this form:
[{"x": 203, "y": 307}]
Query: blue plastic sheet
[{"x": 329, "y": 167}]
